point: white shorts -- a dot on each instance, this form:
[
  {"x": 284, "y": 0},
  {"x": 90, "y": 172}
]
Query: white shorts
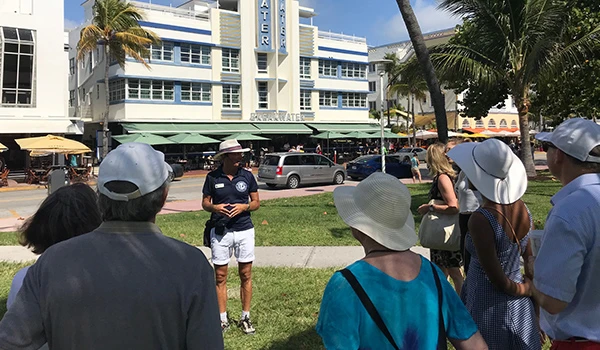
[{"x": 239, "y": 242}]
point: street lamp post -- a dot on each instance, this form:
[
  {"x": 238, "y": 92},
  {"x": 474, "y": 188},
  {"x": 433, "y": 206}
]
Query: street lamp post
[{"x": 381, "y": 74}]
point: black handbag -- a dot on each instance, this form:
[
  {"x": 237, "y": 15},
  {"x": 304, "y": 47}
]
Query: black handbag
[
  {"x": 368, "y": 304},
  {"x": 208, "y": 226}
]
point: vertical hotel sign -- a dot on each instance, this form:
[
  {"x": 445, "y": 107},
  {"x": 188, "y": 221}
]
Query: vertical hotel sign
[
  {"x": 264, "y": 25},
  {"x": 282, "y": 29}
]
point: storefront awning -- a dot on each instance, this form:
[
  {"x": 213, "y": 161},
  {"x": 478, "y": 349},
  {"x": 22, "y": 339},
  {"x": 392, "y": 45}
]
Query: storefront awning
[
  {"x": 345, "y": 127},
  {"x": 283, "y": 128},
  {"x": 178, "y": 128}
]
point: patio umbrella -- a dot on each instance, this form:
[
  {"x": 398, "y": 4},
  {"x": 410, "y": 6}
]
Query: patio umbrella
[
  {"x": 360, "y": 135},
  {"x": 479, "y": 135},
  {"x": 149, "y": 139},
  {"x": 243, "y": 136},
  {"x": 386, "y": 135},
  {"x": 192, "y": 139},
  {"x": 426, "y": 135},
  {"x": 330, "y": 135},
  {"x": 3, "y": 148},
  {"x": 52, "y": 144}
]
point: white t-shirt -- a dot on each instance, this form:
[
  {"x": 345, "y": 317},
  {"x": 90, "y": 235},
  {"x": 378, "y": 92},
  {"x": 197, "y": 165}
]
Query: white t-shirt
[{"x": 468, "y": 200}]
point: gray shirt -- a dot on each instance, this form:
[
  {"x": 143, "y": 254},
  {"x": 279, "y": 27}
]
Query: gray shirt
[{"x": 122, "y": 286}]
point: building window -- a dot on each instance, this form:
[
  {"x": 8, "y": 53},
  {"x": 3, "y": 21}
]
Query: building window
[
  {"x": 328, "y": 68},
  {"x": 492, "y": 123},
  {"x": 18, "y": 66},
  {"x": 305, "y": 68},
  {"x": 163, "y": 52},
  {"x": 372, "y": 105},
  {"x": 466, "y": 124},
  {"x": 354, "y": 100},
  {"x": 373, "y": 68},
  {"x": 479, "y": 124},
  {"x": 503, "y": 123},
  {"x": 116, "y": 90},
  {"x": 354, "y": 70},
  {"x": 72, "y": 66},
  {"x": 328, "y": 99},
  {"x": 196, "y": 54},
  {"x": 71, "y": 98},
  {"x": 231, "y": 60},
  {"x": 195, "y": 92},
  {"x": 513, "y": 124},
  {"x": 142, "y": 89},
  {"x": 372, "y": 86},
  {"x": 231, "y": 96},
  {"x": 305, "y": 100},
  {"x": 261, "y": 62},
  {"x": 263, "y": 95},
  {"x": 97, "y": 92}
]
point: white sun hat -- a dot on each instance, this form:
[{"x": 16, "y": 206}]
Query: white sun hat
[
  {"x": 379, "y": 207},
  {"x": 230, "y": 146},
  {"x": 493, "y": 168},
  {"x": 576, "y": 137},
  {"x": 134, "y": 162}
]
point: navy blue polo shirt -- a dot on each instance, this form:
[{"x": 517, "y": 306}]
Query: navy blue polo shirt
[{"x": 222, "y": 190}]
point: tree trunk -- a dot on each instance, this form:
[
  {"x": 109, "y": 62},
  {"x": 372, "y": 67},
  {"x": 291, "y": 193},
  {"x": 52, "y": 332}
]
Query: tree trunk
[
  {"x": 107, "y": 99},
  {"x": 422, "y": 53},
  {"x": 412, "y": 105},
  {"x": 526, "y": 155}
]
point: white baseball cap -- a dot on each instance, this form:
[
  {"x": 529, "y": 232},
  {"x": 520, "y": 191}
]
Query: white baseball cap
[
  {"x": 576, "y": 137},
  {"x": 133, "y": 162}
]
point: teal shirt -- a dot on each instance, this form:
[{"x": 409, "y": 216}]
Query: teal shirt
[{"x": 409, "y": 310}]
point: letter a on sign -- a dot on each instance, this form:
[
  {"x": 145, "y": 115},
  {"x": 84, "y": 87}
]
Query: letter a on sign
[{"x": 264, "y": 4}]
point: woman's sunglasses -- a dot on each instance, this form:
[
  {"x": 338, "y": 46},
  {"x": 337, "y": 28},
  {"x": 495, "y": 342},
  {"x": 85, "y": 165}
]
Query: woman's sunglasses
[{"x": 547, "y": 145}]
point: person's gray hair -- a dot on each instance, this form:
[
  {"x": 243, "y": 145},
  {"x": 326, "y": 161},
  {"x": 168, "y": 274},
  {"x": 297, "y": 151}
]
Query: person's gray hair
[
  {"x": 143, "y": 208},
  {"x": 589, "y": 167}
]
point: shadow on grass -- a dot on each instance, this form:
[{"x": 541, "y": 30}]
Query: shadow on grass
[
  {"x": 306, "y": 339},
  {"x": 341, "y": 232}
]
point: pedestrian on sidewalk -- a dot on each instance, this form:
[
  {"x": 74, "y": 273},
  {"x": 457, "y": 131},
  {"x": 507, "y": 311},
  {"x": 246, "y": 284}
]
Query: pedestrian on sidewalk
[
  {"x": 414, "y": 168},
  {"x": 392, "y": 298},
  {"x": 567, "y": 265},
  {"x": 225, "y": 195},
  {"x": 123, "y": 285}
]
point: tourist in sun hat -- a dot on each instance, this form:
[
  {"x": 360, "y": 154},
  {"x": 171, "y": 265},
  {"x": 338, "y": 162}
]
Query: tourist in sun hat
[
  {"x": 230, "y": 193},
  {"x": 567, "y": 265},
  {"x": 124, "y": 285},
  {"x": 495, "y": 292},
  {"x": 399, "y": 283}
]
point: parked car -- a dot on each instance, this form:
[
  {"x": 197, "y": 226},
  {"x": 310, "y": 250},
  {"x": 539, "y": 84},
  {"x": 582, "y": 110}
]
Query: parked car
[
  {"x": 421, "y": 153},
  {"x": 364, "y": 166},
  {"x": 291, "y": 169}
]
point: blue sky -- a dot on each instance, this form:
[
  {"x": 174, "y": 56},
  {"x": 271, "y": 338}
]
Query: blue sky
[{"x": 377, "y": 20}]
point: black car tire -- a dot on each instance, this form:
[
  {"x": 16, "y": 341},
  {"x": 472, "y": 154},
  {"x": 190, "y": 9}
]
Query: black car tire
[
  {"x": 338, "y": 178},
  {"x": 355, "y": 178},
  {"x": 293, "y": 182},
  {"x": 271, "y": 185}
]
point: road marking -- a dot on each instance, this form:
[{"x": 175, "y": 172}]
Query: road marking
[
  {"x": 14, "y": 213},
  {"x": 21, "y": 199}
]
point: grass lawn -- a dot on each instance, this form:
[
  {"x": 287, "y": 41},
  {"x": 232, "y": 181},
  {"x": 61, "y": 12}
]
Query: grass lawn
[
  {"x": 285, "y": 307},
  {"x": 313, "y": 220}
]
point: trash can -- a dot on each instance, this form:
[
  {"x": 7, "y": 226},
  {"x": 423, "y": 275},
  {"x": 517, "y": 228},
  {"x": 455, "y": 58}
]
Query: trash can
[{"x": 58, "y": 178}]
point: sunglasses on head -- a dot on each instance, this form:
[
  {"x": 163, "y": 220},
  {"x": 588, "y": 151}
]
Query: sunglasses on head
[{"x": 547, "y": 145}]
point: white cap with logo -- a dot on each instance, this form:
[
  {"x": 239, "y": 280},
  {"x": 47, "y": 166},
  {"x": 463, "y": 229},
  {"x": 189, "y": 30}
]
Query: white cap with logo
[
  {"x": 576, "y": 137},
  {"x": 137, "y": 163}
]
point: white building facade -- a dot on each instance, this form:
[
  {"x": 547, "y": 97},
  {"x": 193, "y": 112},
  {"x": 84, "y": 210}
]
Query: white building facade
[
  {"x": 33, "y": 67},
  {"x": 224, "y": 67},
  {"x": 498, "y": 118}
]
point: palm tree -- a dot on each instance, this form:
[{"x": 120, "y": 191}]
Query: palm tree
[
  {"x": 115, "y": 27},
  {"x": 406, "y": 80},
  {"x": 513, "y": 44},
  {"x": 422, "y": 53}
]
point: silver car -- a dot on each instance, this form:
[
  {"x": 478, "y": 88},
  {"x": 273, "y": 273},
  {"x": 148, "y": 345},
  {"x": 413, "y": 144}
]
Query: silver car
[
  {"x": 421, "y": 152},
  {"x": 291, "y": 169}
]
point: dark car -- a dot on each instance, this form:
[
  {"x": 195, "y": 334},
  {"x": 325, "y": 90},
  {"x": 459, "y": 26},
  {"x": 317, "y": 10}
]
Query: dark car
[{"x": 364, "y": 166}]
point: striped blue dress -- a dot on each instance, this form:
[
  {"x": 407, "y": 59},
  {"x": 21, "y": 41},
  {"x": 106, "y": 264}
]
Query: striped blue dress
[{"x": 505, "y": 321}]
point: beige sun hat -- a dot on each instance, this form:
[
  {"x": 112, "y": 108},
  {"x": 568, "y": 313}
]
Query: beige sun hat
[
  {"x": 230, "y": 146},
  {"x": 493, "y": 168},
  {"x": 379, "y": 207}
]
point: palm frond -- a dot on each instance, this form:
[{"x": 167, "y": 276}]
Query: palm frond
[
  {"x": 88, "y": 40},
  {"x": 455, "y": 62}
]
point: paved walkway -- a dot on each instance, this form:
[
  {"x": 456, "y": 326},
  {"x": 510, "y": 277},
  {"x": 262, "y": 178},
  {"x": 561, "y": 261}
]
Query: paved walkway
[{"x": 301, "y": 257}]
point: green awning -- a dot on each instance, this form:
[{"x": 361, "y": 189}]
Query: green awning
[
  {"x": 283, "y": 128},
  {"x": 242, "y": 136},
  {"x": 345, "y": 127},
  {"x": 179, "y": 128},
  {"x": 192, "y": 139},
  {"x": 149, "y": 139},
  {"x": 331, "y": 135}
]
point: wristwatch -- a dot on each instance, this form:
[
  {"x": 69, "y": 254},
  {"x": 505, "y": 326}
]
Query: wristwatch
[
  {"x": 431, "y": 208},
  {"x": 248, "y": 209}
]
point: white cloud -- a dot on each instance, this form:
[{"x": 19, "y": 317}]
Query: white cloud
[
  {"x": 70, "y": 24},
  {"x": 430, "y": 19}
]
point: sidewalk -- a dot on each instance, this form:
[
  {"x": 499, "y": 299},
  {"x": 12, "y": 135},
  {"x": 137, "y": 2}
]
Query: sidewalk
[{"x": 299, "y": 257}]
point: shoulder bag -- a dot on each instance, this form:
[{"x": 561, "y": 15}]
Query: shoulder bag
[
  {"x": 368, "y": 304},
  {"x": 439, "y": 231}
]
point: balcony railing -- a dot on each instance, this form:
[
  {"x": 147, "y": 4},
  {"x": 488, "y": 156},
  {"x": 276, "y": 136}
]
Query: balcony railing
[
  {"x": 177, "y": 12},
  {"x": 342, "y": 37}
]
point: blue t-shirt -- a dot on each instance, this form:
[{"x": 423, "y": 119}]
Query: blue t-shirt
[
  {"x": 222, "y": 190},
  {"x": 409, "y": 310},
  {"x": 414, "y": 162}
]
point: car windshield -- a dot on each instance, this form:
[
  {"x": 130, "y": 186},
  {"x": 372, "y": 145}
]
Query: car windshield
[
  {"x": 364, "y": 159},
  {"x": 271, "y": 160}
]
